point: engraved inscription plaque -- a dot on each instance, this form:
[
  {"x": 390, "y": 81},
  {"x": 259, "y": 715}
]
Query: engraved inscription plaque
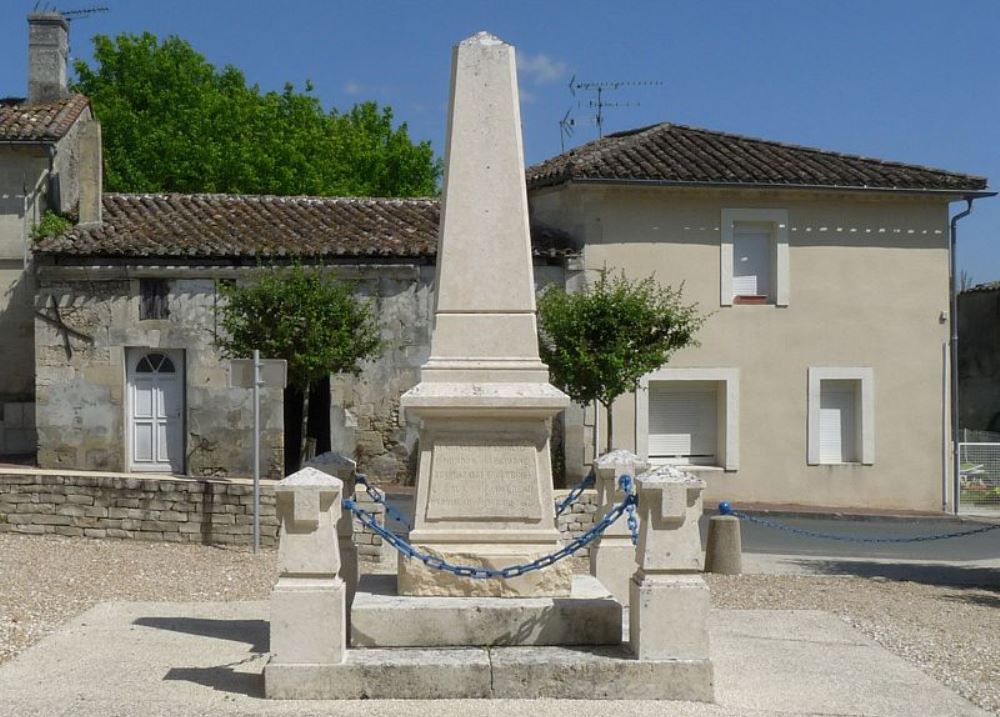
[{"x": 474, "y": 479}]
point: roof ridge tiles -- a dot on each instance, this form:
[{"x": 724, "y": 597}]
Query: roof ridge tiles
[{"x": 675, "y": 152}]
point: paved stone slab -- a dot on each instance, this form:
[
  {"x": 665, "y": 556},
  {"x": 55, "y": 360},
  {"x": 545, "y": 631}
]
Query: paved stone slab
[
  {"x": 597, "y": 673},
  {"x": 600, "y": 673},
  {"x": 380, "y": 618},
  {"x": 411, "y": 673},
  {"x": 182, "y": 659}
]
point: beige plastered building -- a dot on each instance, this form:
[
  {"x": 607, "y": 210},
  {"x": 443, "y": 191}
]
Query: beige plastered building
[{"x": 821, "y": 374}]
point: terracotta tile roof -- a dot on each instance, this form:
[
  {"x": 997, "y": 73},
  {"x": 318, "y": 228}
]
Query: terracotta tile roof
[
  {"x": 46, "y": 121},
  {"x": 220, "y": 225},
  {"x": 677, "y": 153}
]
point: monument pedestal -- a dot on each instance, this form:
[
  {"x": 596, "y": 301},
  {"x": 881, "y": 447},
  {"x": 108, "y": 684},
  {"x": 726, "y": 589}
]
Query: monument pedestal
[{"x": 484, "y": 489}]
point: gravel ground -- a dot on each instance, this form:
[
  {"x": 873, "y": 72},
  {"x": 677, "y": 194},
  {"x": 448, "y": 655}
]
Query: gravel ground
[{"x": 951, "y": 633}]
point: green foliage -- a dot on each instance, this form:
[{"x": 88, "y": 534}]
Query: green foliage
[
  {"x": 173, "y": 122},
  {"x": 52, "y": 224},
  {"x": 315, "y": 324},
  {"x": 600, "y": 341}
]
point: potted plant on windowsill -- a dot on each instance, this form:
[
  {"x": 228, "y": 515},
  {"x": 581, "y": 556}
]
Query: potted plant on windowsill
[{"x": 750, "y": 299}]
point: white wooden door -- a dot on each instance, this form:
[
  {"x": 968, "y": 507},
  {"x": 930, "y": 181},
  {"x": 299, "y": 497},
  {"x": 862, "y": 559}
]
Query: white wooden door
[{"x": 156, "y": 410}]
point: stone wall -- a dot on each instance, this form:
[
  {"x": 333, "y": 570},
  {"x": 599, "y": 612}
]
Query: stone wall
[
  {"x": 209, "y": 511},
  {"x": 578, "y": 518},
  {"x": 160, "y": 509},
  {"x": 81, "y": 353}
]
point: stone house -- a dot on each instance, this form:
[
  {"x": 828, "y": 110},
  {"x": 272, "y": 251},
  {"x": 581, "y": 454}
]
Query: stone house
[
  {"x": 821, "y": 374},
  {"x": 129, "y": 377},
  {"x": 48, "y": 142}
]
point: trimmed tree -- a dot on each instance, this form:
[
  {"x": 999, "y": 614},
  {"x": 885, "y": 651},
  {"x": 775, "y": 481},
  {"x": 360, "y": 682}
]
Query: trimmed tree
[
  {"x": 314, "y": 323},
  {"x": 600, "y": 341}
]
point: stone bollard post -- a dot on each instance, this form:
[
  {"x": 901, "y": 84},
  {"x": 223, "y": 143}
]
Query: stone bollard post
[
  {"x": 669, "y": 599},
  {"x": 612, "y": 556},
  {"x": 340, "y": 466},
  {"x": 309, "y": 602},
  {"x": 724, "y": 548}
]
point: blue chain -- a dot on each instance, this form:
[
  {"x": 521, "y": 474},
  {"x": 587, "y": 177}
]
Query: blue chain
[
  {"x": 588, "y": 480},
  {"x": 511, "y": 571},
  {"x": 379, "y": 497},
  {"x": 727, "y": 509},
  {"x": 633, "y": 521}
]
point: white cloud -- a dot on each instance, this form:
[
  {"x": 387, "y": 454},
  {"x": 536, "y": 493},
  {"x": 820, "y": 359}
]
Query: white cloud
[
  {"x": 526, "y": 97},
  {"x": 541, "y": 68},
  {"x": 352, "y": 88}
]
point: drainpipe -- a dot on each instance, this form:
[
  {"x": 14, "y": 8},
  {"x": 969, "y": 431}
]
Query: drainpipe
[{"x": 953, "y": 281}]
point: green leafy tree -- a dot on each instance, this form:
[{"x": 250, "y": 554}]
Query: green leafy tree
[
  {"x": 315, "y": 324},
  {"x": 172, "y": 122},
  {"x": 600, "y": 341}
]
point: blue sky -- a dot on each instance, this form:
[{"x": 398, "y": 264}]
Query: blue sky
[{"x": 907, "y": 80}]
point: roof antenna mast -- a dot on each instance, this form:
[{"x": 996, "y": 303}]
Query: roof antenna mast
[
  {"x": 597, "y": 102},
  {"x": 82, "y": 12}
]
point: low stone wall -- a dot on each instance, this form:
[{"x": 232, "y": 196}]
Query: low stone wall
[
  {"x": 117, "y": 506},
  {"x": 578, "y": 518},
  {"x": 211, "y": 511}
]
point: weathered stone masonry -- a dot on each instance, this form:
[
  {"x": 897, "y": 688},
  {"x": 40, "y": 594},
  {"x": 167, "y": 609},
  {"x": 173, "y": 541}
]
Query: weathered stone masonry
[
  {"x": 158, "y": 509},
  {"x": 209, "y": 511},
  {"x": 81, "y": 385}
]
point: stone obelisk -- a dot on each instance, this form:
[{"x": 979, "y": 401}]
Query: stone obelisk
[{"x": 484, "y": 488}]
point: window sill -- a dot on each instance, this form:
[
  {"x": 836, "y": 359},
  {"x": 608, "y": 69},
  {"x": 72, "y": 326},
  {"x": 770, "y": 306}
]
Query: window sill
[{"x": 752, "y": 300}]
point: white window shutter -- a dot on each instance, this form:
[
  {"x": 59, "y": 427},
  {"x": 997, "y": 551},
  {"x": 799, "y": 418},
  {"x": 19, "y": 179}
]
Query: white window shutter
[
  {"x": 837, "y": 422},
  {"x": 682, "y": 421},
  {"x": 751, "y": 261}
]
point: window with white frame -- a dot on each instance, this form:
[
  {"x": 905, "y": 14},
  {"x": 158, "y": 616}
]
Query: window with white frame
[
  {"x": 841, "y": 416},
  {"x": 683, "y": 421},
  {"x": 754, "y": 267},
  {"x": 689, "y": 416}
]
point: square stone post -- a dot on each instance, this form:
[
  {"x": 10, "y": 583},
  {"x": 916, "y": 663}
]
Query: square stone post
[
  {"x": 612, "y": 557},
  {"x": 340, "y": 466},
  {"x": 669, "y": 600},
  {"x": 309, "y": 601}
]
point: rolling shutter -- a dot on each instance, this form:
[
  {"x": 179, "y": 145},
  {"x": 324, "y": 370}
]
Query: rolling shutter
[
  {"x": 682, "y": 419},
  {"x": 751, "y": 260},
  {"x": 838, "y": 434}
]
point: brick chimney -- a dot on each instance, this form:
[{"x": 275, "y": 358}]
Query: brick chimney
[{"x": 48, "y": 52}]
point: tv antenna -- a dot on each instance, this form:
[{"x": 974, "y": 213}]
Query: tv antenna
[
  {"x": 598, "y": 103},
  {"x": 70, "y": 14}
]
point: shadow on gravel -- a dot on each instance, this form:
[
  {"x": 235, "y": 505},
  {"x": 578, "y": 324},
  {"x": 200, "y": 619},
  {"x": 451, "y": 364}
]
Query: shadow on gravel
[
  {"x": 255, "y": 633},
  {"x": 927, "y": 573}
]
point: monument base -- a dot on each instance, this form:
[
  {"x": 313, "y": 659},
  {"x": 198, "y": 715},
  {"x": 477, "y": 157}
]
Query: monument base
[
  {"x": 612, "y": 562},
  {"x": 596, "y": 673},
  {"x": 380, "y": 618},
  {"x": 415, "y": 578}
]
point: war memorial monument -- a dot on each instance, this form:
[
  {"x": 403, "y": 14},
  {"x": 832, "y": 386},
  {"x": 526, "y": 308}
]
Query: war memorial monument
[{"x": 481, "y": 605}]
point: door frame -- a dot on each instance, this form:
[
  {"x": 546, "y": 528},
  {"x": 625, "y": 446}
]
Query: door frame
[{"x": 132, "y": 355}]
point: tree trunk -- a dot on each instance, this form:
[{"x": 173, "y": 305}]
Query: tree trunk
[
  {"x": 305, "y": 424},
  {"x": 611, "y": 425}
]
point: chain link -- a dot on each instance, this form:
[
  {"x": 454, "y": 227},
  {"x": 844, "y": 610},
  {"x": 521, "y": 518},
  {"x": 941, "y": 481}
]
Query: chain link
[
  {"x": 480, "y": 573},
  {"x": 726, "y": 509},
  {"x": 574, "y": 495},
  {"x": 379, "y": 497}
]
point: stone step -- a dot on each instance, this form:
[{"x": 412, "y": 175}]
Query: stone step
[
  {"x": 380, "y": 618},
  {"x": 598, "y": 673}
]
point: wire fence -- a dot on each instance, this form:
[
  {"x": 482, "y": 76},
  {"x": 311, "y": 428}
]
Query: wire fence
[{"x": 979, "y": 481}]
